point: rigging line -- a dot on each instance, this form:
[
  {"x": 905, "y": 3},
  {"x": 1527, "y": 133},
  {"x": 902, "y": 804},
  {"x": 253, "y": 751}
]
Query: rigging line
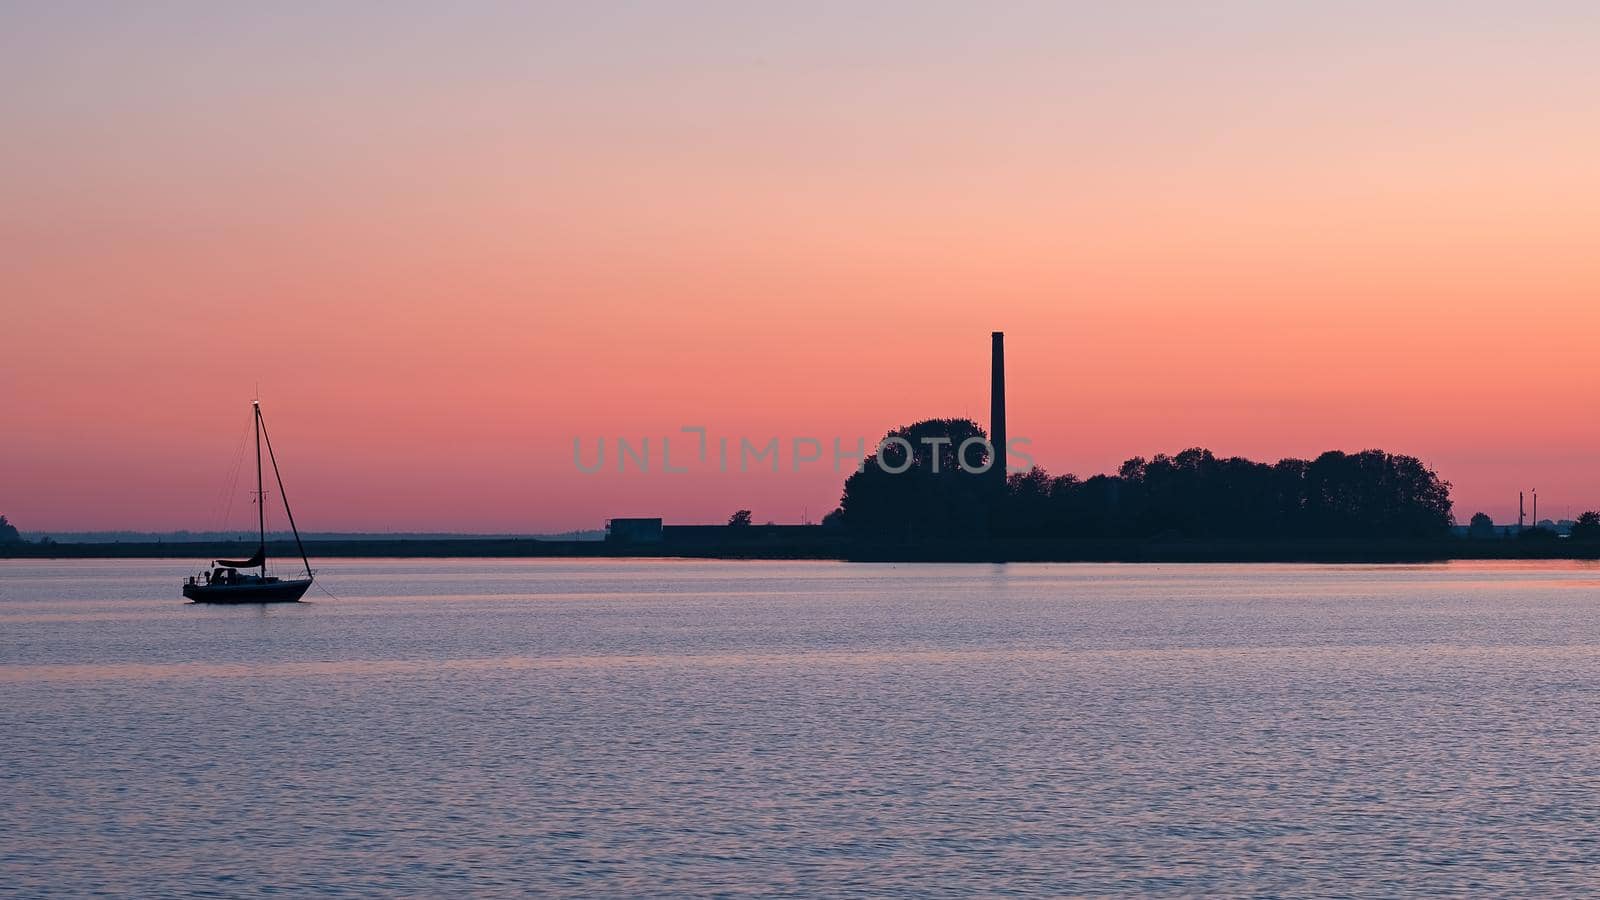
[
  {"x": 222, "y": 504},
  {"x": 231, "y": 491},
  {"x": 282, "y": 493}
]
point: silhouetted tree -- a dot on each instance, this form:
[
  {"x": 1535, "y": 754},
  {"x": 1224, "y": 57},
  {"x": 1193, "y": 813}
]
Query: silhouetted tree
[
  {"x": 1481, "y": 527},
  {"x": 1028, "y": 509},
  {"x": 923, "y": 493},
  {"x": 1587, "y": 527},
  {"x": 740, "y": 519},
  {"x": 1373, "y": 493},
  {"x": 1192, "y": 494},
  {"x": 8, "y": 532}
]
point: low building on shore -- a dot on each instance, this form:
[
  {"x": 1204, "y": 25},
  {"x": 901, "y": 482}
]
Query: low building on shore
[{"x": 633, "y": 531}]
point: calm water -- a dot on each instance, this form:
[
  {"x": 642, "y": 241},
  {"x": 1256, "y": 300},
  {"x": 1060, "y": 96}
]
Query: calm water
[{"x": 655, "y": 727}]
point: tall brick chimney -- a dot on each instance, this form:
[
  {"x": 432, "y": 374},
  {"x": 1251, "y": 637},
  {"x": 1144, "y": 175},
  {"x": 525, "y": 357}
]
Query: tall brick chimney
[{"x": 997, "y": 411}]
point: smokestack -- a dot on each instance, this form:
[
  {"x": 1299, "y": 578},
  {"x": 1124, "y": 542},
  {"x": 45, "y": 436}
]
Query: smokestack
[{"x": 997, "y": 410}]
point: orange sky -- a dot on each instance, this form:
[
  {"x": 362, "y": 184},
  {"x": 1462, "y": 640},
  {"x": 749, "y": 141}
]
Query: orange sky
[{"x": 445, "y": 245}]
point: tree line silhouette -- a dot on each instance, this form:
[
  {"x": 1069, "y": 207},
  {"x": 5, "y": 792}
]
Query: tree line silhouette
[{"x": 1192, "y": 494}]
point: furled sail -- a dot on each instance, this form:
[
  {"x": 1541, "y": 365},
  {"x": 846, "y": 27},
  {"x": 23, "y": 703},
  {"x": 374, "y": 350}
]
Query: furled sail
[{"x": 259, "y": 559}]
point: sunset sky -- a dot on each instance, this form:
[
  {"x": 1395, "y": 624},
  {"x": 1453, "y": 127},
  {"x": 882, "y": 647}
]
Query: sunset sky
[{"x": 445, "y": 244}]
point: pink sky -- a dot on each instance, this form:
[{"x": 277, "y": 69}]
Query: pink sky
[{"x": 447, "y": 245}]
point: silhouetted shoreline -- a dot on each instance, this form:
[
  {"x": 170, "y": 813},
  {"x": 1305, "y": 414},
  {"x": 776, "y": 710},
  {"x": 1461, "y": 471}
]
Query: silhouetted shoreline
[{"x": 843, "y": 549}]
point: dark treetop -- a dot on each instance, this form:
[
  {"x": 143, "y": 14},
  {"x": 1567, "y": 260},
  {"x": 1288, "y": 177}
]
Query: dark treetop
[{"x": 1194, "y": 494}]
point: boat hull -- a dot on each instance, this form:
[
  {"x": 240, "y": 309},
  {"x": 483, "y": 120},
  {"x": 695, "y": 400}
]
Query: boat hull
[{"x": 286, "y": 591}]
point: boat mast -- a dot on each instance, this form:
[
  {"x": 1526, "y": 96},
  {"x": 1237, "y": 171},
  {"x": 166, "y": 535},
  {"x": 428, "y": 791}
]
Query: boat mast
[
  {"x": 261, "y": 497},
  {"x": 281, "y": 492}
]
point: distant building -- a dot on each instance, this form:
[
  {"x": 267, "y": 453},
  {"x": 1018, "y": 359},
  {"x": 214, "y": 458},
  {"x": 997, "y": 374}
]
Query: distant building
[
  {"x": 633, "y": 531},
  {"x": 1561, "y": 528}
]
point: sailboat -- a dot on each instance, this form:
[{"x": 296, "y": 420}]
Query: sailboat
[{"x": 224, "y": 583}]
